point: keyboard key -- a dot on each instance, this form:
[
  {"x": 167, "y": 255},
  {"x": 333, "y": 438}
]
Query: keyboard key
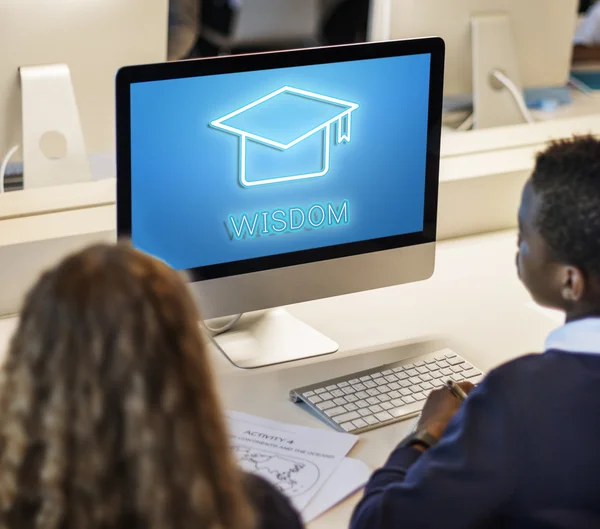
[
  {"x": 426, "y": 377},
  {"x": 350, "y": 416},
  {"x": 315, "y": 399},
  {"x": 384, "y": 398},
  {"x": 419, "y": 363},
  {"x": 353, "y": 381},
  {"x": 362, "y": 394},
  {"x": 332, "y": 412},
  {"x": 408, "y": 400},
  {"x": 371, "y": 420},
  {"x": 351, "y": 398},
  {"x": 337, "y": 393},
  {"x": 394, "y": 394},
  {"x": 386, "y": 405},
  {"x": 361, "y": 403},
  {"x": 405, "y": 410},
  {"x": 398, "y": 369},
  {"x": 349, "y": 390},
  {"x": 402, "y": 376},
  {"x": 383, "y": 416},
  {"x": 326, "y": 405},
  {"x": 430, "y": 361},
  {"x": 457, "y": 369},
  {"x": 439, "y": 358},
  {"x": 450, "y": 355},
  {"x": 326, "y": 396},
  {"x": 397, "y": 403},
  {"x": 348, "y": 426},
  {"x": 365, "y": 378},
  {"x": 340, "y": 401},
  {"x": 394, "y": 386},
  {"x": 373, "y": 400},
  {"x": 442, "y": 363},
  {"x": 470, "y": 373},
  {"x": 351, "y": 407},
  {"x": 412, "y": 372},
  {"x": 359, "y": 387},
  {"x": 360, "y": 423},
  {"x": 370, "y": 384},
  {"x": 405, "y": 384},
  {"x": 387, "y": 372},
  {"x": 426, "y": 386},
  {"x": 332, "y": 387},
  {"x": 391, "y": 378},
  {"x": 455, "y": 361},
  {"x": 343, "y": 384},
  {"x": 419, "y": 396},
  {"x": 373, "y": 392},
  {"x": 309, "y": 394},
  {"x": 364, "y": 412},
  {"x": 405, "y": 392},
  {"x": 376, "y": 409},
  {"x": 422, "y": 370},
  {"x": 414, "y": 380},
  {"x": 436, "y": 373},
  {"x": 319, "y": 391},
  {"x": 447, "y": 372}
]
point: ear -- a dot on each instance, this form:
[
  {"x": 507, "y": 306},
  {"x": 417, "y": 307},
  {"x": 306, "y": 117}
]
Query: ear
[{"x": 573, "y": 284}]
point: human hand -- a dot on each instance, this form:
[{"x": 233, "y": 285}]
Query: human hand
[{"x": 440, "y": 407}]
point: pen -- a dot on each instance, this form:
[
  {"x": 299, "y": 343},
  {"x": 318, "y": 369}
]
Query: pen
[{"x": 456, "y": 390}]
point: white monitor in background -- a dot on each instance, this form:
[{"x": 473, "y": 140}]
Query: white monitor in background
[
  {"x": 494, "y": 48},
  {"x": 57, "y": 72},
  {"x": 280, "y": 178}
]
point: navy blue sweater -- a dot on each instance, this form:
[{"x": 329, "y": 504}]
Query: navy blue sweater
[{"x": 522, "y": 453}]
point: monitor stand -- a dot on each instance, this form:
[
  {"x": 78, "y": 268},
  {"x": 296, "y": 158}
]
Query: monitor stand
[
  {"x": 493, "y": 49},
  {"x": 53, "y": 147},
  {"x": 272, "y": 337}
]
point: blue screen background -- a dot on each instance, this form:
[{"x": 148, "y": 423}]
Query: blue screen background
[{"x": 185, "y": 174}]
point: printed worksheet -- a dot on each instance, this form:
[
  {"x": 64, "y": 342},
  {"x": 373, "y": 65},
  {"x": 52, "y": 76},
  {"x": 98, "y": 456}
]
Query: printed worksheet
[{"x": 296, "y": 460}]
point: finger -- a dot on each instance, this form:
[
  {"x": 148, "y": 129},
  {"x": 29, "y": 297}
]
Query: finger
[{"x": 466, "y": 386}]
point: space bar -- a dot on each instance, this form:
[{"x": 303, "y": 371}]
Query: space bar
[{"x": 406, "y": 410}]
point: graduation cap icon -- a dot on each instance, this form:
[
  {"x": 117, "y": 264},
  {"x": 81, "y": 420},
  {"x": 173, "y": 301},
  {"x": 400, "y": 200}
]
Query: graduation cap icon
[{"x": 287, "y": 135}]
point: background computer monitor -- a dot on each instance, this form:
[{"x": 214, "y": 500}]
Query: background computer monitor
[
  {"x": 94, "y": 38},
  {"x": 282, "y": 178},
  {"x": 530, "y": 41}
]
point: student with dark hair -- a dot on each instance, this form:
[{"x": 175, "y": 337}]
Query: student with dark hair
[
  {"x": 109, "y": 413},
  {"x": 521, "y": 452}
]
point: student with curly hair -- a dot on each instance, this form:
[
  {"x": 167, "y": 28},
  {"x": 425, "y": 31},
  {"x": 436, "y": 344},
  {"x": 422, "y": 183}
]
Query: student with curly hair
[
  {"x": 109, "y": 417},
  {"x": 522, "y": 451}
]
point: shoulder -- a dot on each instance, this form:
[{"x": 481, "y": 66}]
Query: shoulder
[{"x": 273, "y": 509}]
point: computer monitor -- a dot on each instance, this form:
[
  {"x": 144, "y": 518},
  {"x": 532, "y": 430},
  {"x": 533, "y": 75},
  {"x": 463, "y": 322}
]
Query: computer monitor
[
  {"x": 280, "y": 178},
  {"x": 528, "y": 42},
  {"x": 60, "y": 41}
]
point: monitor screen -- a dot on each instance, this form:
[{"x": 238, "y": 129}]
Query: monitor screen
[{"x": 279, "y": 166}]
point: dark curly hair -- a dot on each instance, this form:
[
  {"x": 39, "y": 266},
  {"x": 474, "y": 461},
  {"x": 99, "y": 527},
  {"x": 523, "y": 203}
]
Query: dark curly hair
[
  {"x": 110, "y": 417},
  {"x": 566, "y": 179}
]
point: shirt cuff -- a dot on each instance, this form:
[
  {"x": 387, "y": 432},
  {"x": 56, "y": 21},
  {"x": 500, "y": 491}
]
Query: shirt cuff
[{"x": 403, "y": 457}]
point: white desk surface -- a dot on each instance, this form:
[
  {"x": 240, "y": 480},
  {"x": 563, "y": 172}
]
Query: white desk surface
[{"x": 474, "y": 303}]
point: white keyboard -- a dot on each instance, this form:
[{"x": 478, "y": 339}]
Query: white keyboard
[{"x": 386, "y": 394}]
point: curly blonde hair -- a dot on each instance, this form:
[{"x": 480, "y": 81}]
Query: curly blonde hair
[{"x": 109, "y": 417}]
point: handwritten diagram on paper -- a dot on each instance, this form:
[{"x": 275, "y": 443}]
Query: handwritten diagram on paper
[
  {"x": 296, "y": 460},
  {"x": 292, "y": 476}
]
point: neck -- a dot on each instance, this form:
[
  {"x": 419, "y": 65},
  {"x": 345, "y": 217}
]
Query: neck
[{"x": 581, "y": 313}]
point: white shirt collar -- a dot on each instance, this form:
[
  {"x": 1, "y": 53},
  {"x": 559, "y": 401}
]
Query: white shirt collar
[{"x": 580, "y": 336}]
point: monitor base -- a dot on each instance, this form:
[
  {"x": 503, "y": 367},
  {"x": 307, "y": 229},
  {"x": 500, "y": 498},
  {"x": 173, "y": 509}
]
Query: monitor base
[{"x": 272, "y": 337}]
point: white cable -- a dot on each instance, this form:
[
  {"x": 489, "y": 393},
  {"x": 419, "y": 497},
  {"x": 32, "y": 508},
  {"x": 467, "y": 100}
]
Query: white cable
[
  {"x": 515, "y": 93},
  {"x": 4, "y": 165},
  {"x": 467, "y": 124},
  {"x": 224, "y": 328}
]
